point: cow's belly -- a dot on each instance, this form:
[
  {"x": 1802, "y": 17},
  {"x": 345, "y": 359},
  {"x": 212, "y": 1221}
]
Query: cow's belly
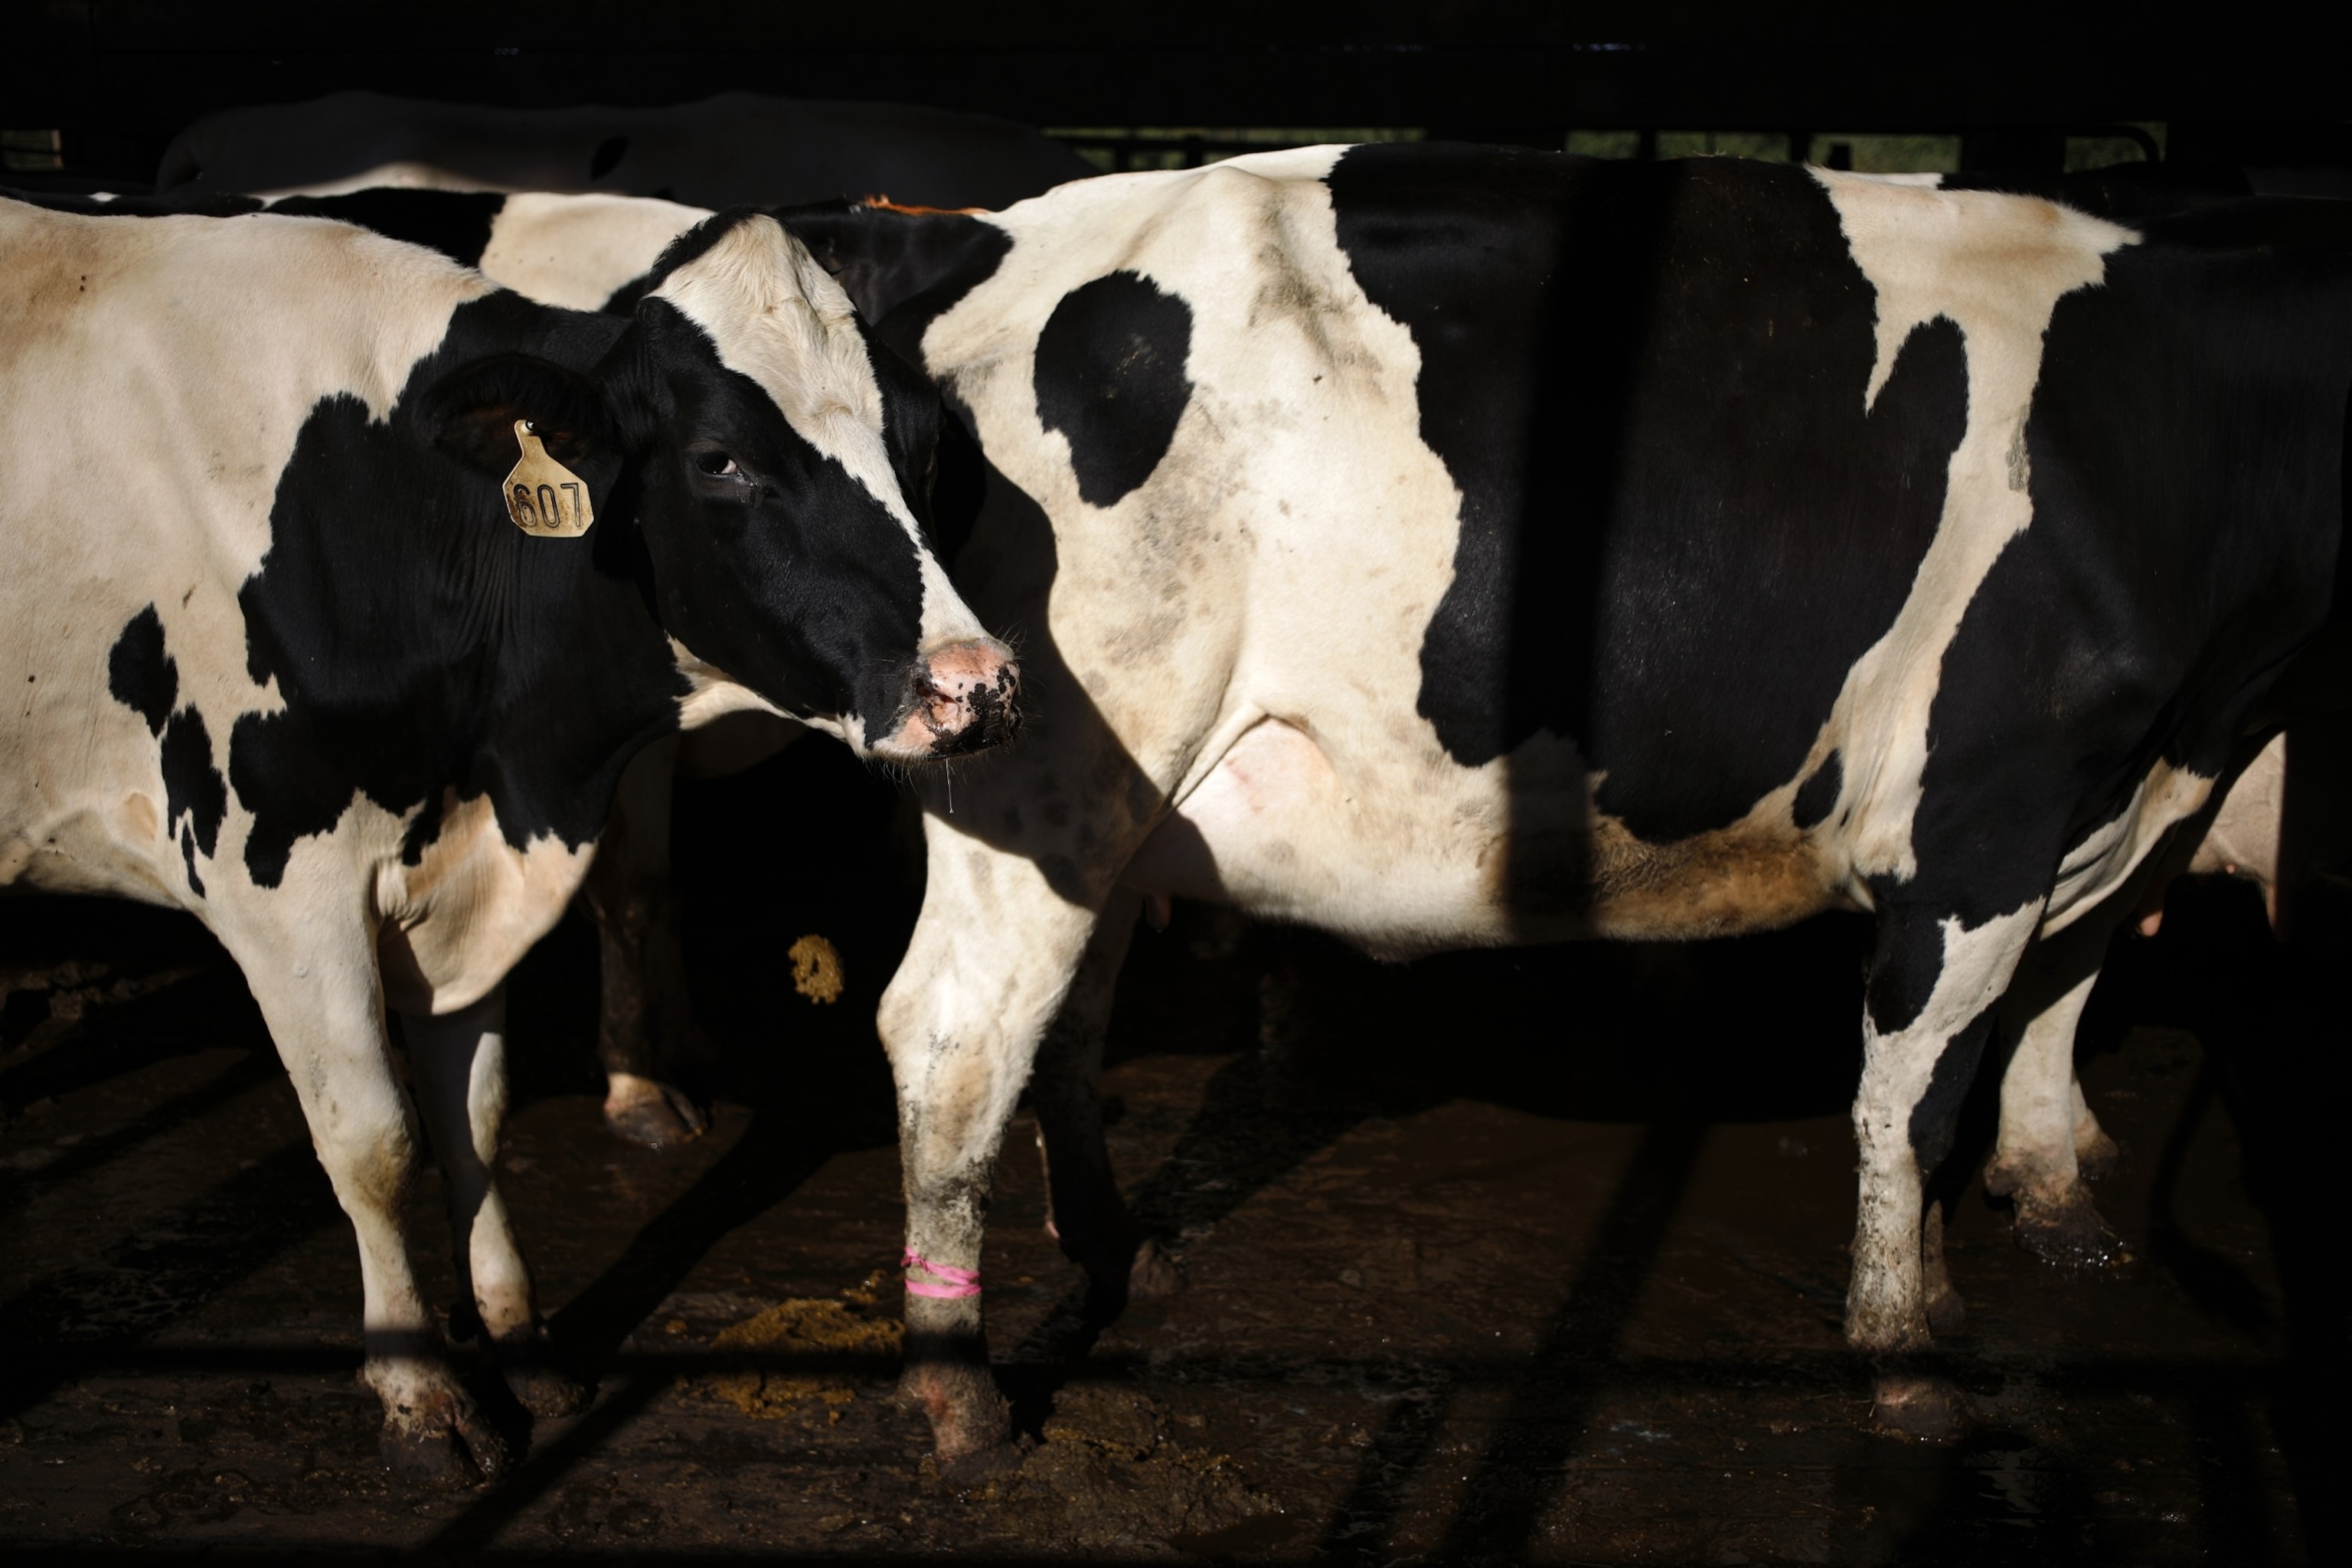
[
  {"x": 83, "y": 805},
  {"x": 112, "y": 848},
  {"x": 1274, "y": 829},
  {"x": 1410, "y": 857}
]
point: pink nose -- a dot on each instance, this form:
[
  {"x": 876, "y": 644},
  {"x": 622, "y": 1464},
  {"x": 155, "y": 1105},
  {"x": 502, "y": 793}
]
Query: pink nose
[{"x": 961, "y": 700}]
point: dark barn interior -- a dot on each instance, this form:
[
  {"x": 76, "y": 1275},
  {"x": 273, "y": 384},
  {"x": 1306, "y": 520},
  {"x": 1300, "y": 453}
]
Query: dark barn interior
[{"x": 1526, "y": 1255}]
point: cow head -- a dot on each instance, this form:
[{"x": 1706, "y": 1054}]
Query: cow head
[{"x": 773, "y": 458}]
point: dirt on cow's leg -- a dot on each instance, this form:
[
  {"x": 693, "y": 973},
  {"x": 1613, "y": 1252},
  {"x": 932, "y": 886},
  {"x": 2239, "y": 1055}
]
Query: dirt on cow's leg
[
  {"x": 1085, "y": 1210},
  {"x": 646, "y": 1033}
]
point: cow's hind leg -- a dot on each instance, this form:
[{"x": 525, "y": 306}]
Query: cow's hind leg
[
  {"x": 459, "y": 1061},
  {"x": 1933, "y": 985},
  {"x": 2038, "y": 1163},
  {"x": 1085, "y": 1212},
  {"x": 645, "y": 1028},
  {"x": 961, "y": 1021},
  {"x": 2050, "y": 1144},
  {"x": 320, "y": 994}
]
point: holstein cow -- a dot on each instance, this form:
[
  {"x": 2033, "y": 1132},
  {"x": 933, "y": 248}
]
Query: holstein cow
[
  {"x": 584, "y": 252},
  {"x": 736, "y": 148},
  {"x": 288, "y": 664},
  {"x": 1447, "y": 546}
]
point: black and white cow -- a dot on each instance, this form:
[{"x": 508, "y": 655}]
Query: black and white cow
[
  {"x": 737, "y": 149},
  {"x": 1446, "y": 546},
  {"x": 584, "y": 252},
  {"x": 288, "y": 664}
]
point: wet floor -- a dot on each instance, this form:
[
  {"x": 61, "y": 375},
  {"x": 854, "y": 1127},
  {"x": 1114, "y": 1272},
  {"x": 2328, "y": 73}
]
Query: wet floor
[{"x": 1531, "y": 1257}]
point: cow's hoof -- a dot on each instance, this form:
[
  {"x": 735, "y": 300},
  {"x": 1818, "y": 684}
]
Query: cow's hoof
[
  {"x": 1153, "y": 1275},
  {"x": 448, "y": 1448},
  {"x": 1947, "y": 1311},
  {"x": 2095, "y": 1157},
  {"x": 2065, "y": 1229},
  {"x": 1918, "y": 1406},
  {"x": 654, "y": 1115},
  {"x": 967, "y": 1415},
  {"x": 549, "y": 1392}
]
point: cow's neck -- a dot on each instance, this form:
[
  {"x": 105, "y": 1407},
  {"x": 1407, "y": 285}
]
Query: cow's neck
[{"x": 427, "y": 652}]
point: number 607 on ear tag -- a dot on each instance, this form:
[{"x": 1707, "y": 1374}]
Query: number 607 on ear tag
[{"x": 543, "y": 497}]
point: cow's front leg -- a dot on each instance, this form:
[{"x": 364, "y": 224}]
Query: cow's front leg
[
  {"x": 991, "y": 957},
  {"x": 320, "y": 992},
  {"x": 1933, "y": 985},
  {"x": 645, "y": 1027},
  {"x": 459, "y": 1061},
  {"x": 1085, "y": 1212}
]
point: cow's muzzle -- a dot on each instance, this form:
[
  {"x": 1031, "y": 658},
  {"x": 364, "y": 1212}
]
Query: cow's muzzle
[{"x": 960, "y": 698}]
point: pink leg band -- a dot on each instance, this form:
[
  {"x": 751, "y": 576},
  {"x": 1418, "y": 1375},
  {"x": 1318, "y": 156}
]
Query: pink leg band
[{"x": 958, "y": 1282}]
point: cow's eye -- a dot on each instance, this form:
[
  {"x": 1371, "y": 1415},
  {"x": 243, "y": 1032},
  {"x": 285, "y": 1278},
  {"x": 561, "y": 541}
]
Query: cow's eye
[{"x": 718, "y": 465}]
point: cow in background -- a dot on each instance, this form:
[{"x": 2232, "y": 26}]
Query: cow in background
[
  {"x": 291, "y": 663},
  {"x": 738, "y": 149}
]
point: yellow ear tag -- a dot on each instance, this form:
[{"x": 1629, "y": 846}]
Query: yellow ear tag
[{"x": 545, "y": 497}]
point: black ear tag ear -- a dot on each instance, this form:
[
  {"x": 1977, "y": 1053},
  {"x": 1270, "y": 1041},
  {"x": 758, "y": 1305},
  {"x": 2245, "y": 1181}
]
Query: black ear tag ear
[{"x": 543, "y": 497}]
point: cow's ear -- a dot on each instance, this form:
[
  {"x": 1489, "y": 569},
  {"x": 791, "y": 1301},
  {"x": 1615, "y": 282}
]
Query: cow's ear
[{"x": 470, "y": 414}]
